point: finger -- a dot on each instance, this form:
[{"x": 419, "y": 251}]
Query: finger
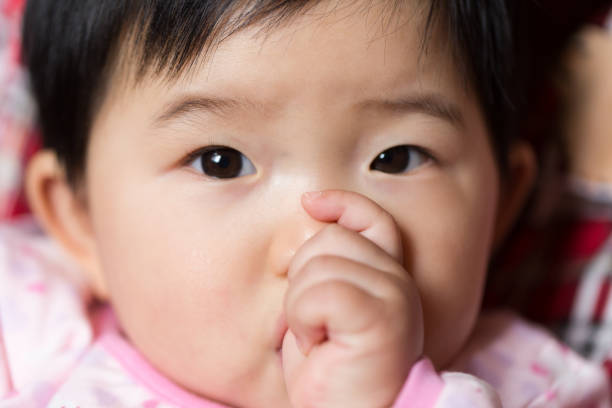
[
  {"x": 319, "y": 269},
  {"x": 330, "y": 310},
  {"x": 339, "y": 241},
  {"x": 358, "y": 213},
  {"x": 381, "y": 293}
]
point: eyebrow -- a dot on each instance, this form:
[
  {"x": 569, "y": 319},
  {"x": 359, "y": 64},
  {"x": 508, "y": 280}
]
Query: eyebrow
[
  {"x": 429, "y": 104},
  {"x": 192, "y": 104}
]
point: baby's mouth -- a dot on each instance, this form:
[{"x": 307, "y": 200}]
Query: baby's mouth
[{"x": 281, "y": 331}]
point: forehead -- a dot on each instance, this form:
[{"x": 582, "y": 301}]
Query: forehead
[
  {"x": 168, "y": 40},
  {"x": 386, "y": 41},
  {"x": 333, "y": 47}
]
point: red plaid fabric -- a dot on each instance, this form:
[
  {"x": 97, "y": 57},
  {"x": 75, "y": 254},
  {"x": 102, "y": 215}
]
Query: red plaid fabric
[{"x": 589, "y": 325}]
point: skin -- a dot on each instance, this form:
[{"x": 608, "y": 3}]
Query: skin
[
  {"x": 369, "y": 271},
  {"x": 586, "y": 89}
]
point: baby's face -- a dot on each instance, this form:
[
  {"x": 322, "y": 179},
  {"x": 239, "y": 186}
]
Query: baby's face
[{"x": 194, "y": 241}]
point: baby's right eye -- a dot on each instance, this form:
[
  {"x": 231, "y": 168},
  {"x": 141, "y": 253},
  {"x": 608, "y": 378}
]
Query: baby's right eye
[{"x": 221, "y": 162}]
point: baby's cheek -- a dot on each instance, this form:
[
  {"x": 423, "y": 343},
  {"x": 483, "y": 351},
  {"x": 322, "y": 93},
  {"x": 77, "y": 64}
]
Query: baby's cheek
[
  {"x": 449, "y": 269},
  {"x": 448, "y": 324}
]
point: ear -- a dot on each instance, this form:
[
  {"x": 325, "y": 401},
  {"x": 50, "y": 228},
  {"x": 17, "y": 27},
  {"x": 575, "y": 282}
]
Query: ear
[
  {"x": 63, "y": 214},
  {"x": 515, "y": 188}
]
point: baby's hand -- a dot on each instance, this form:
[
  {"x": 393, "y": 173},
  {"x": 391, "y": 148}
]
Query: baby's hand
[{"x": 354, "y": 314}]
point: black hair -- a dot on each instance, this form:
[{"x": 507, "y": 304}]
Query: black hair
[{"x": 71, "y": 46}]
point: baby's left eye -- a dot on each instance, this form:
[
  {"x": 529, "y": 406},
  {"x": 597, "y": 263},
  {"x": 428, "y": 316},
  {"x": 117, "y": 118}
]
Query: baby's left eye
[{"x": 400, "y": 159}]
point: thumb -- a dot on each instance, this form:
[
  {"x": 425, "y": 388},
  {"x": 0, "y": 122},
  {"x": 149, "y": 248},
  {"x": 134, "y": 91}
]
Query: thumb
[{"x": 358, "y": 213}]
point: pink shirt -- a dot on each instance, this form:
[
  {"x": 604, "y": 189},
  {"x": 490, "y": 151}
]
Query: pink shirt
[{"x": 59, "y": 350}]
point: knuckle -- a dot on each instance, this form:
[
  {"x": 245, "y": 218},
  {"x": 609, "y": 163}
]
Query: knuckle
[
  {"x": 390, "y": 225},
  {"x": 326, "y": 237},
  {"x": 331, "y": 233},
  {"x": 382, "y": 215},
  {"x": 311, "y": 268},
  {"x": 319, "y": 263},
  {"x": 396, "y": 289}
]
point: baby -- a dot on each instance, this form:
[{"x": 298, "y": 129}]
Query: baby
[{"x": 284, "y": 204}]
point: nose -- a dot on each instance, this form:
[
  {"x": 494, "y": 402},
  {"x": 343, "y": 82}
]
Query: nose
[{"x": 291, "y": 232}]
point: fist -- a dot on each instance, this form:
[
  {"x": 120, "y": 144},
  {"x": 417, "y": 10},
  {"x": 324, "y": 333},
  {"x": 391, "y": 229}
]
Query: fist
[{"x": 353, "y": 311}]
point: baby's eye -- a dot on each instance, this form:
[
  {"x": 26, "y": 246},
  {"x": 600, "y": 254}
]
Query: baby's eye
[
  {"x": 400, "y": 159},
  {"x": 222, "y": 163}
]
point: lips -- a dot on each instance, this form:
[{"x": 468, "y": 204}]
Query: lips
[{"x": 281, "y": 331}]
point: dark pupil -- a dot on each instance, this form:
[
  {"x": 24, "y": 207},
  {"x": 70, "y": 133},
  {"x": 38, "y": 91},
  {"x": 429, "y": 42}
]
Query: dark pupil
[
  {"x": 394, "y": 160},
  {"x": 222, "y": 163}
]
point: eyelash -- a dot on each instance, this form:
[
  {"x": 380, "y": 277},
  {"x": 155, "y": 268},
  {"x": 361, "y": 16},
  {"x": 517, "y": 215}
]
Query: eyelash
[
  {"x": 386, "y": 161},
  {"x": 197, "y": 156},
  {"x": 409, "y": 151}
]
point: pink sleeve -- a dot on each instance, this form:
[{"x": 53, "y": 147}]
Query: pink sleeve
[
  {"x": 528, "y": 367},
  {"x": 426, "y": 389},
  {"x": 422, "y": 388}
]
